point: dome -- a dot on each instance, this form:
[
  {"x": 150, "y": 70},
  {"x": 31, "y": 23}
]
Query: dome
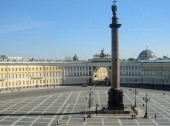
[
  {"x": 146, "y": 55},
  {"x": 75, "y": 58}
]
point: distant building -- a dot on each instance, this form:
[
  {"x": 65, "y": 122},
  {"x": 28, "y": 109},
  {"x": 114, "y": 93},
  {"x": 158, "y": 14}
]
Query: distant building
[
  {"x": 146, "y": 71},
  {"x": 75, "y": 58},
  {"x": 15, "y": 58},
  {"x": 10, "y": 58}
]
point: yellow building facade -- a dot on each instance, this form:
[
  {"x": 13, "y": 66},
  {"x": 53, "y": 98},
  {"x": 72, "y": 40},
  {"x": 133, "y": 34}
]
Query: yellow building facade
[{"x": 27, "y": 75}]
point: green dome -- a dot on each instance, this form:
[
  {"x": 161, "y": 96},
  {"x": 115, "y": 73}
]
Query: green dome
[{"x": 146, "y": 55}]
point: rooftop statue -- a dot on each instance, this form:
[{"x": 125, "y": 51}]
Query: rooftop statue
[{"x": 102, "y": 55}]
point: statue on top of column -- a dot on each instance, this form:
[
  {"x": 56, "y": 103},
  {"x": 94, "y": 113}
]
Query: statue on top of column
[{"x": 114, "y": 8}]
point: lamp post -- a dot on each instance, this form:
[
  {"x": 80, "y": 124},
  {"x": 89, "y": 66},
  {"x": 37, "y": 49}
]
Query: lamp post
[
  {"x": 146, "y": 99},
  {"x": 135, "y": 92},
  {"x": 89, "y": 102},
  {"x": 96, "y": 108}
]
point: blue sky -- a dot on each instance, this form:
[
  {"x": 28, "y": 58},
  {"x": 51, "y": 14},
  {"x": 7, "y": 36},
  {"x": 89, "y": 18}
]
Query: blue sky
[{"x": 60, "y": 28}]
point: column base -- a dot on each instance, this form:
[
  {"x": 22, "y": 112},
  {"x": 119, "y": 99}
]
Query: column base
[{"x": 115, "y": 99}]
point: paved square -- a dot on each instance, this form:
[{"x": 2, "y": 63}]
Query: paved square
[{"x": 68, "y": 106}]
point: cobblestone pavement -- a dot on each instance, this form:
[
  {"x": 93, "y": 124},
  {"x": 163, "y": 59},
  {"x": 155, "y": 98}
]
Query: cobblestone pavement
[{"x": 68, "y": 108}]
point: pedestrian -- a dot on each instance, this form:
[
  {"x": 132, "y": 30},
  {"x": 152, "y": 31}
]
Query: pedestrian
[
  {"x": 84, "y": 119},
  {"x": 155, "y": 116},
  {"x": 57, "y": 122},
  {"x": 143, "y": 105}
]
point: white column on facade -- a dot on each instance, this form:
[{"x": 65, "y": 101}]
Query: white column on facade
[
  {"x": 134, "y": 70},
  {"x": 72, "y": 71},
  {"x": 87, "y": 71},
  {"x": 82, "y": 70},
  {"x": 125, "y": 70},
  {"x": 92, "y": 71},
  {"x": 121, "y": 70},
  {"x": 67, "y": 71},
  {"x": 128, "y": 70},
  {"x": 76, "y": 71}
]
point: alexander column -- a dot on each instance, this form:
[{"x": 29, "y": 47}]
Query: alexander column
[{"x": 115, "y": 94}]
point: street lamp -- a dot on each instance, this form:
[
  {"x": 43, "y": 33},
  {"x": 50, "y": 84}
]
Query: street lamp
[
  {"x": 135, "y": 92},
  {"x": 89, "y": 102},
  {"x": 146, "y": 99},
  {"x": 96, "y": 107}
]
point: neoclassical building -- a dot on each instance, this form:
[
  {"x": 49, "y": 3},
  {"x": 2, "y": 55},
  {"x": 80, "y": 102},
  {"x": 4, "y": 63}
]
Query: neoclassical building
[
  {"x": 29, "y": 74},
  {"x": 146, "y": 71}
]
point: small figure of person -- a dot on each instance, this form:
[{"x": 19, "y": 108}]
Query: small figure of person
[
  {"x": 132, "y": 116},
  {"x": 57, "y": 122},
  {"x": 155, "y": 116}
]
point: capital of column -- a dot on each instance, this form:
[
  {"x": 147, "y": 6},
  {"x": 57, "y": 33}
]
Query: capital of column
[{"x": 115, "y": 25}]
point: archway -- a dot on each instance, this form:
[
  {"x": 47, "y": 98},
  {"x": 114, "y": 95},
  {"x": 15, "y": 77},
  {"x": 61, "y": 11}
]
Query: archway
[{"x": 101, "y": 76}]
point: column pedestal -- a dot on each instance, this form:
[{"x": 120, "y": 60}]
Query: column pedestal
[{"x": 115, "y": 99}]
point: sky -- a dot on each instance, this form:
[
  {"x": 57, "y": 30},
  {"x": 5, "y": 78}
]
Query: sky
[{"x": 55, "y": 29}]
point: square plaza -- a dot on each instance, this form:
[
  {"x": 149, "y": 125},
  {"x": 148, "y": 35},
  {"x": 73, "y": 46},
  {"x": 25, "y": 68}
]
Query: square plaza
[{"x": 66, "y": 106}]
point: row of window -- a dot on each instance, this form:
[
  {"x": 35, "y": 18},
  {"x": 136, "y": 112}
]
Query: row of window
[
  {"x": 156, "y": 73},
  {"x": 77, "y": 80},
  {"x": 19, "y": 75},
  {"x": 144, "y": 80},
  {"x": 77, "y": 68},
  {"x": 76, "y": 74},
  {"x": 130, "y": 67},
  {"x": 157, "y": 68},
  {"x": 30, "y": 68},
  {"x": 32, "y": 82}
]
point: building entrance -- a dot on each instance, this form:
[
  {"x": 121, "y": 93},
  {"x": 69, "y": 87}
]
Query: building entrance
[{"x": 101, "y": 76}]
